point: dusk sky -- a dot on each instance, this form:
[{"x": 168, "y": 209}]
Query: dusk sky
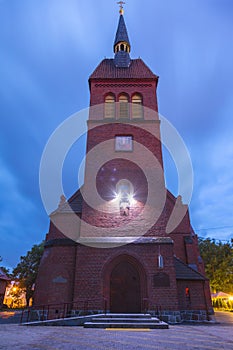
[{"x": 49, "y": 48}]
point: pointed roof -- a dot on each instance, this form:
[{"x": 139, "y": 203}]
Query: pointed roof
[
  {"x": 137, "y": 70},
  {"x": 121, "y": 34},
  {"x": 121, "y": 45}
]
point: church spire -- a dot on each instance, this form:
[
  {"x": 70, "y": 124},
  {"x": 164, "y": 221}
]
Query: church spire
[{"x": 121, "y": 43}]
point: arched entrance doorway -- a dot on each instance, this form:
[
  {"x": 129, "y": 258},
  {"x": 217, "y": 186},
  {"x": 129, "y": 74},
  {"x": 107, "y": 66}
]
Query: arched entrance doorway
[{"x": 125, "y": 289}]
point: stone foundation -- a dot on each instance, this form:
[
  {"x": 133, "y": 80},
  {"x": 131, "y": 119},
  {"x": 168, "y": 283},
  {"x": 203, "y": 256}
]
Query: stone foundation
[{"x": 173, "y": 317}]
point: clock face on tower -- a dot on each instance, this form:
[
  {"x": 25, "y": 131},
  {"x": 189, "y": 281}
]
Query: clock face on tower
[{"x": 124, "y": 143}]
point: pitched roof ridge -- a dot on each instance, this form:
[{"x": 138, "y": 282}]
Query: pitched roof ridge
[
  {"x": 75, "y": 195},
  {"x": 190, "y": 268},
  {"x": 137, "y": 69},
  {"x": 171, "y": 195},
  {"x": 105, "y": 59},
  {"x": 145, "y": 64}
]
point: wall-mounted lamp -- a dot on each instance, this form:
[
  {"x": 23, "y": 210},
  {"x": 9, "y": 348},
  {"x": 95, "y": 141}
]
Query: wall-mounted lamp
[
  {"x": 124, "y": 204},
  {"x": 124, "y": 194},
  {"x": 160, "y": 261}
]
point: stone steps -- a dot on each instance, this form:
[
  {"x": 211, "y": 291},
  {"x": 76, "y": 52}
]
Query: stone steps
[
  {"x": 125, "y": 316},
  {"x": 160, "y": 325},
  {"x": 126, "y": 321},
  {"x": 123, "y": 319}
]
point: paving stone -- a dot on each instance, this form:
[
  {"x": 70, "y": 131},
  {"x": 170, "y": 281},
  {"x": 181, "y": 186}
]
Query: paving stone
[{"x": 188, "y": 337}]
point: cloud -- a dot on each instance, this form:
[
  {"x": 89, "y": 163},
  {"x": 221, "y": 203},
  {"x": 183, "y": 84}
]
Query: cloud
[
  {"x": 18, "y": 230},
  {"x": 48, "y": 50},
  {"x": 212, "y": 207}
]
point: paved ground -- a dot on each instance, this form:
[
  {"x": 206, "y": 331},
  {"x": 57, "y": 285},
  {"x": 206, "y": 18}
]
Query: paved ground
[{"x": 182, "y": 337}]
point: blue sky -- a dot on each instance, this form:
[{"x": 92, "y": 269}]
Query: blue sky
[{"x": 48, "y": 50}]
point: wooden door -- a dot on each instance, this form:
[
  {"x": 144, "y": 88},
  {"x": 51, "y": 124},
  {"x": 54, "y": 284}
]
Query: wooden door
[{"x": 125, "y": 291}]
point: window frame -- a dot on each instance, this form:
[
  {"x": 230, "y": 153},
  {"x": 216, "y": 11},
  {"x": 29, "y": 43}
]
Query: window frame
[
  {"x": 118, "y": 147},
  {"x": 123, "y": 106},
  {"x": 110, "y": 106},
  {"x": 137, "y": 109}
]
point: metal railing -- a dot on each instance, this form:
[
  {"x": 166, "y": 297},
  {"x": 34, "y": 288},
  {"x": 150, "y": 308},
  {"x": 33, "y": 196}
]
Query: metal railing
[
  {"x": 54, "y": 311},
  {"x": 73, "y": 309}
]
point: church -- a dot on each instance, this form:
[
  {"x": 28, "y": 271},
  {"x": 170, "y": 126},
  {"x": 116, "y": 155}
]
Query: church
[{"x": 123, "y": 243}]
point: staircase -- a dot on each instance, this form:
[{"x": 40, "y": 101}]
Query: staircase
[{"x": 143, "y": 321}]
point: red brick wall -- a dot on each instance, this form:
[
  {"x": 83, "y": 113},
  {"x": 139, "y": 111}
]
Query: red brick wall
[
  {"x": 99, "y": 89},
  {"x": 80, "y": 273},
  {"x": 196, "y": 301},
  {"x": 133, "y": 171},
  {"x": 55, "y": 279},
  {"x": 93, "y": 274},
  {"x": 108, "y": 131}
]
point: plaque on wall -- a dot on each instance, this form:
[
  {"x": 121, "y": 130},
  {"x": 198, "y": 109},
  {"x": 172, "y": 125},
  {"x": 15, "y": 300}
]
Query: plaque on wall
[{"x": 161, "y": 279}]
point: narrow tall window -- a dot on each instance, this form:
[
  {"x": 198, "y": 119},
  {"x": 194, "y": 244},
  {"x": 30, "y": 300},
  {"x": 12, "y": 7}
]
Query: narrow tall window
[
  {"x": 123, "y": 107},
  {"x": 109, "y": 107},
  {"x": 137, "y": 107}
]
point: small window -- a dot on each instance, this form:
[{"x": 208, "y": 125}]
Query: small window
[
  {"x": 124, "y": 143},
  {"x": 137, "y": 107},
  {"x": 109, "y": 108},
  {"x": 123, "y": 107}
]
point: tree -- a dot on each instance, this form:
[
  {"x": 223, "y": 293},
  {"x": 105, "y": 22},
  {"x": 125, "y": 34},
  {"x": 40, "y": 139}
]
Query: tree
[
  {"x": 26, "y": 270},
  {"x": 218, "y": 259},
  {"x": 4, "y": 269}
]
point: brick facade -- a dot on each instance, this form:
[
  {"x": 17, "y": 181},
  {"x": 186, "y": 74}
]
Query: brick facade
[{"x": 112, "y": 257}]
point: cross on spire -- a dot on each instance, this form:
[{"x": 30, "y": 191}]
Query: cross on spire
[{"x": 121, "y": 3}]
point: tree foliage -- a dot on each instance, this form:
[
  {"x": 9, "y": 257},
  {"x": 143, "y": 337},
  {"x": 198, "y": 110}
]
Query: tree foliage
[
  {"x": 26, "y": 270},
  {"x": 218, "y": 259},
  {"x": 4, "y": 269}
]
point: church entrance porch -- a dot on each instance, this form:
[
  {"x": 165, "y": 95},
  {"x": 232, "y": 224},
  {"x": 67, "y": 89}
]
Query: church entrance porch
[{"x": 125, "y": 291}]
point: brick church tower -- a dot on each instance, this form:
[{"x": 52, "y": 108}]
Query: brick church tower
[{"x": 115, "y": 244}]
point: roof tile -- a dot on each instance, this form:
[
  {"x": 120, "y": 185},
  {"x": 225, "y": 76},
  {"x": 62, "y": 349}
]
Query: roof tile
[
  {"x": 137, "y": 70},
  {"x": 185, "y": 272},
  {"x": 121, "y": 34}
]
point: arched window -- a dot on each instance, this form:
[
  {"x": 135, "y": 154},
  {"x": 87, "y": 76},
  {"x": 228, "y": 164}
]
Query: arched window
[
  {"x": 137, "y": 107},
  {"x": 123, "y": 107},
  {"x": 109, "y": 107}
]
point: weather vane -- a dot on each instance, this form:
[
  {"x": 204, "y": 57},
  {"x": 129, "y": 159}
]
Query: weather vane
[{"x": 121, "y": 3}]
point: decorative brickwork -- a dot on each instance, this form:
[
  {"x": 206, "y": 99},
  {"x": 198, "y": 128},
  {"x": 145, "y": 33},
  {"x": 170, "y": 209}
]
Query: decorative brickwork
[{"x": 113, "y": 260}]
